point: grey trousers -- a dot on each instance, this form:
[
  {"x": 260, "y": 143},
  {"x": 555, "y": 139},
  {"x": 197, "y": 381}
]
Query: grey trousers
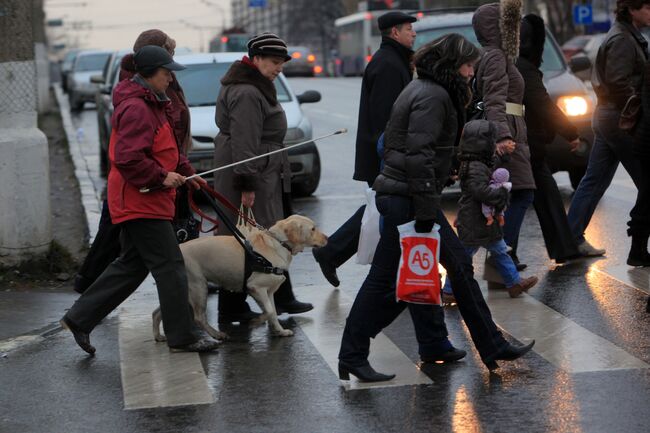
[{"x": 147, "y": 246}]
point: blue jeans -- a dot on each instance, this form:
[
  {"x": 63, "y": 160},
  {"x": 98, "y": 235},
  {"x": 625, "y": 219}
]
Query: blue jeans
[
  {"x": 375, "y": 306},
  {"x": 520, "y": 201},
  {"x": 611, "y": 146},
  {"x": 506, "y": 267}
]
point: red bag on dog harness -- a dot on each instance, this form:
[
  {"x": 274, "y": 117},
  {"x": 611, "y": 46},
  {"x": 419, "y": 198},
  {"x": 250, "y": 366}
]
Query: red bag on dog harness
[{"x": 418, "y": 278}]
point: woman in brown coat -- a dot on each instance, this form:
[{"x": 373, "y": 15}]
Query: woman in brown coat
[
  {"x": 499, "y": 82},
  {"x": 252, "y": 122}
]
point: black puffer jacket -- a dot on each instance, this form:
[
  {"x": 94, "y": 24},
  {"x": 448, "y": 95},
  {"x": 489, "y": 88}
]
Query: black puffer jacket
[
  {"x": 476, "y": 152},
  {"x": 419, "y": 143},
  {"x": 618, "y": 73}
]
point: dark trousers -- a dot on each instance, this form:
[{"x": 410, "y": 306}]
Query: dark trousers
[
  {"x": 520, "y": 201},
  {"x": 559, "y": 240},
  {"x": 105, "y": 249},
  {"x": 147, "y": 246},
  {"x": 344, "y": 242},
  {"x": 611, "y": 147},
  {"x": 375, "y": 306}
]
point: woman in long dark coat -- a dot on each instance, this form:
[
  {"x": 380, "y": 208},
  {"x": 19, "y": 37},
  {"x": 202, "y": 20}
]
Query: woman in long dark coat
[{"x": 252, "y": 122}]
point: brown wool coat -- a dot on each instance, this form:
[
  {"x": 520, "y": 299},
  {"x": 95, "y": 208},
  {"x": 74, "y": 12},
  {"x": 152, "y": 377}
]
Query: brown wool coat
[{"x": 251, "y": 122}]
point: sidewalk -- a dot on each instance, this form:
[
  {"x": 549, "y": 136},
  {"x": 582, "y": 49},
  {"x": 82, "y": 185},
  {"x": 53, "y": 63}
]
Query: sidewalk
[{"x": 31, "y": 307}]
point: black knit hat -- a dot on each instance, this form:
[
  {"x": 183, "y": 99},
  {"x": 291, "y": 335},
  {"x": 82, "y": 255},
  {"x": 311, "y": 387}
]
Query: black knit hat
[{"x": 268, "y": 44}]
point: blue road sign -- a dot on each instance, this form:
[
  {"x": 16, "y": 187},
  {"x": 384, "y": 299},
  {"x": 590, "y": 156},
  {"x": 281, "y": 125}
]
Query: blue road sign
[
  {"x": 256, "y": 3},
  {"x": 583, "y": 14}
]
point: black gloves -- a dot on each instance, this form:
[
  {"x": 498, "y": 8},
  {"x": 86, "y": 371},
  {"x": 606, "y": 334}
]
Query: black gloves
[{"x": 424, "y": 226}]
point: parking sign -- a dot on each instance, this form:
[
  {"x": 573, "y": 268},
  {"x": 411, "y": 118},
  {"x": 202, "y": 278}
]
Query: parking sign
[{"x": 583, "y": 14}]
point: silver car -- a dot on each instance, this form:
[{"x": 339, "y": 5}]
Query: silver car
[
  {"x": 201, "y": 82},
  {"x": 80, "y": 88}
]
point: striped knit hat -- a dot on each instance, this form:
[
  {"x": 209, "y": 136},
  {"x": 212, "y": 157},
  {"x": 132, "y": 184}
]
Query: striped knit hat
[{"x": 268, "y": 44}]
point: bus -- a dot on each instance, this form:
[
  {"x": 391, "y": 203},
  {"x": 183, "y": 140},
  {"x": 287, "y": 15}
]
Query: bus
[
  {"x": 230, "y": 41},
  {"x": 358, "y": 38}
]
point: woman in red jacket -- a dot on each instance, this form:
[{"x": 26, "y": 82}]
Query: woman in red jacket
[{"x": 144, "y": 153}]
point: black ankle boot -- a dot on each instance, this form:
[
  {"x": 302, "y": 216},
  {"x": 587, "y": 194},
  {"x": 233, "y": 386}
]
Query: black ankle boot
[
  {"x": 365, "y": 373},
  {"x": 639, "y": 251},
  {"x": 508, "y": 353}
]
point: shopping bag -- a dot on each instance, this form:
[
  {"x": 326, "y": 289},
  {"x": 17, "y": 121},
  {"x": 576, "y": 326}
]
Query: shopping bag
[
  {"x": 242, "y": 223},
  {"x": 418, "y": 278},
  {"x": 369, "y": 236}
]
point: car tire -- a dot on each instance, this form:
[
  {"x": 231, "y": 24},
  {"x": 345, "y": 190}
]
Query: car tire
[
  {"x": 309, "y": 185},
  {"x": 575, "y": 175}
]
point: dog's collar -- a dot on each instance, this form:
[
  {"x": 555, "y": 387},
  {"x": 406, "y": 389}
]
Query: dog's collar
[{"x": 283, "y": 243}]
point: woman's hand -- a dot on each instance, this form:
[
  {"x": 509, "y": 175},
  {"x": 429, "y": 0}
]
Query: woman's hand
[
  {"x": 505, "y": 146},
  {"x": 575, "y": 144},
  {"x": 197, "y": 183},
  {"x": 248, "y": 198},
  {"x": 173, "y": 180}
]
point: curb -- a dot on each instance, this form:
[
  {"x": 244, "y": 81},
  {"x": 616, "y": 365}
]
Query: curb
[{"x": 90, "y": 197}]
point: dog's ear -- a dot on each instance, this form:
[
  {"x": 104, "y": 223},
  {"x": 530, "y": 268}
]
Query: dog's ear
[
  {"x": 279, "y": 231},
  {"x": 295, "y": 236}
]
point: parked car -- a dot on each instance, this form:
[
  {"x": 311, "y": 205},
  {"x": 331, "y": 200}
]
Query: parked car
[
  {"x": 569, "y": 92},
  {"x": 66, "y": 66},
  {"x": 303, "y": 63},
  {"x": 201, "y": 82},
  {"x": 575, "y": 45},
  {"x": 104, "y": 103},
  {"x": 80, "y": 89}
]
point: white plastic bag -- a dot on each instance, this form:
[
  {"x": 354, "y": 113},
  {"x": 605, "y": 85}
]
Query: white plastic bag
[{"x": 369, "y": 237}]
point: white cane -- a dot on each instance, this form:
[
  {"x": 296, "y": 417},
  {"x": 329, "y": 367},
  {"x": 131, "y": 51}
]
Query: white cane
[{"x": 284, "y": 149}]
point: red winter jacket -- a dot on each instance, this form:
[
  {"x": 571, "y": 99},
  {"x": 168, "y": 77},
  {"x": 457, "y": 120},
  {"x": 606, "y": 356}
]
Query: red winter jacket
[{"x": 143, "y": 149}]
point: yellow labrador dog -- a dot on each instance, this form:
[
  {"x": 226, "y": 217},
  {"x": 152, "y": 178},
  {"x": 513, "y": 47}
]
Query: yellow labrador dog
[{"x": 220, "y": 259}]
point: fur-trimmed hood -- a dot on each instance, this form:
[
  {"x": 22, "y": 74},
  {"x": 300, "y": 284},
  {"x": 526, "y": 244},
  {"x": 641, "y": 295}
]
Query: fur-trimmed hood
[
  {"x": 533, "y": 36},
  {"x": 497, "y": 25},
  {"x": 245, "y": 72}
]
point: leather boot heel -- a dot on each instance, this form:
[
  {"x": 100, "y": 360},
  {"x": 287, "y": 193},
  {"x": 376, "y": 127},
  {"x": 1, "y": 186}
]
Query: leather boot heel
[
  {"x": 492, "y": 365},
  {"x": 364, "y": 373},
  {"x": 343, "y": 374}
]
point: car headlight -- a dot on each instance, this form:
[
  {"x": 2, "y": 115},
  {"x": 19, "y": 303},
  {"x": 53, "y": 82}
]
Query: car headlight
[{"x": 574, "y": 106}]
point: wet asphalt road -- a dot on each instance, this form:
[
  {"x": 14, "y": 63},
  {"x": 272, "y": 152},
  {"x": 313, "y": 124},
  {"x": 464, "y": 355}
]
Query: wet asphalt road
[{"x": 264, "y": 384}]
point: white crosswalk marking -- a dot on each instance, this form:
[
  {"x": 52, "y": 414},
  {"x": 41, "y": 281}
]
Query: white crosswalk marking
[
  {"x": 559, "y": 340},
  {"x": 324, "y": 327},
  {"x": 152, "y": 376}
]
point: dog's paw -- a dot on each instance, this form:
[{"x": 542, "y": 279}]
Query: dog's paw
[
  {"x": 160, "y": 338},
  {"x": 220, "y": 336},
  {"x": 284, "y": 333}
]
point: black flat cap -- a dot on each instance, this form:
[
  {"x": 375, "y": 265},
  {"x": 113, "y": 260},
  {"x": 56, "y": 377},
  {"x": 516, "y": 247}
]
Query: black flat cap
[
  {"x": 392, "y": 19},
  {"x": 151, "y": 57}
]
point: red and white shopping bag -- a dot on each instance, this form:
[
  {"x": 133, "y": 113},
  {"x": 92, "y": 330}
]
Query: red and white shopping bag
[{"x": 418, "y": 278}]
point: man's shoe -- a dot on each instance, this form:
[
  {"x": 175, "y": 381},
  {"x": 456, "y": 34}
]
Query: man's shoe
[
  {"x": 635, "y": 259},
  {"x": 328, "y": 269},
  {"x": 202, "y": 345},
  {"x": 522, "y": 286},
  {"x": 243, "y": 317},
  {"x": 82, "y": 338},
  {"x": 588, "y": 250},
  {"x": 451, "y": 355},
  {"x": 293, "y": 307},
  {"x": 448, "y": 298},
  {"x": 508, "y": 353}
]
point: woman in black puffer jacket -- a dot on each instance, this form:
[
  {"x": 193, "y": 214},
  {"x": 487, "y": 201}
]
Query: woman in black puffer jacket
[{"x": 420, "y": 137}]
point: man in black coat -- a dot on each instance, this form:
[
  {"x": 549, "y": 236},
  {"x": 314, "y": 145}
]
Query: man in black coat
[
  {"x": 385, "y": 77},
  {"x": 544, "y": 120}
]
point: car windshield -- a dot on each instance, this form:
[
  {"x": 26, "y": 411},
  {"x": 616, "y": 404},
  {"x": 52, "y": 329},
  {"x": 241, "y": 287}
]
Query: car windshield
[
  {"x": 551, "y": 60},
  {"x": 91, "y": 62},
  {"x": 201, "y": 84}
]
